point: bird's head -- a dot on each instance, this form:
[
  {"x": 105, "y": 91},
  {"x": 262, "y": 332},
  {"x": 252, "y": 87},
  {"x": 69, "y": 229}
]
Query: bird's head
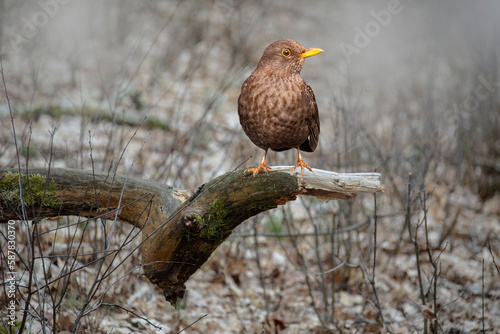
[{"x": 285, "y": 56}]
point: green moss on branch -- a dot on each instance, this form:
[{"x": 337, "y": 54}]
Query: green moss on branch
[{"x": 37, "y": 190}]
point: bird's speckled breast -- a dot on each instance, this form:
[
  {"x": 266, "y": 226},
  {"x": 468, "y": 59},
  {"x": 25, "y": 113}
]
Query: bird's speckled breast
[{"x": 280, "y": 120}]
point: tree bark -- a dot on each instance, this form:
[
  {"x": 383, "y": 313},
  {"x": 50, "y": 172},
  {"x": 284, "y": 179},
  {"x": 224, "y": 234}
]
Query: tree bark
[{"x": 179, "y": 232}]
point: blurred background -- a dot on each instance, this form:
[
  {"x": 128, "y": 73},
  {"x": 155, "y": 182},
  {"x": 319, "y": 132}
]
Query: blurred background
[{"x": 407, "y": 88}]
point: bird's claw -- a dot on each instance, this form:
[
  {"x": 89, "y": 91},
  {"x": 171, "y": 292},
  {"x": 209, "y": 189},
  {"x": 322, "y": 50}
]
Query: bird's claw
[
  {"x": 256, "y": 170},
  {"x": 301, "y": 164}
]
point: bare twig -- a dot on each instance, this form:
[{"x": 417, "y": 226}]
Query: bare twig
[
  {"x": 262, "y": 278},
  {"x": 482, "y": 296},
  {"x": 371, "y": 280},
  {"x": 493, "y": 258},
  {"x": 130, "y": 311},
  {"x": 191, "y": 325},
  {"x": 432, "y": 260}
]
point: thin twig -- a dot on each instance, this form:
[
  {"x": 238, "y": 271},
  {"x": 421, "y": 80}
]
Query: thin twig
[
  {"x": 262, "y": 278},
  {"x": 493, "y": 258},
  {"x": 338, "y": 267},
  {"x": 482, "y": 297},
  {"x": 423, "y": 202},
  {"x": 280, "y": 235},
  {"x": 182, "y": 330},
  {"x": 130, "y": 311},
  {"x": 371, "y": 280}
]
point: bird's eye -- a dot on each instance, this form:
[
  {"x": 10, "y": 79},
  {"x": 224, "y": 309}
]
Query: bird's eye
[{"x": 286, "y": 52}]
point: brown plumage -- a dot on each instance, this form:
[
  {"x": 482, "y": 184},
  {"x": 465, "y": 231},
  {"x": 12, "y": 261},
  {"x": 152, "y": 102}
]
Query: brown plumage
[{"x": 277, "y": 109}]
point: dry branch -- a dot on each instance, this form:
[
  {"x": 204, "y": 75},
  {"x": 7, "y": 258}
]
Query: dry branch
[{"x": 179, "y": 233}]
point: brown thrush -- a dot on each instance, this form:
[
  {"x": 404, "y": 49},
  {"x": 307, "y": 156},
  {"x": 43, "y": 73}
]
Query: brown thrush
[{"x": 277, "y": 109}]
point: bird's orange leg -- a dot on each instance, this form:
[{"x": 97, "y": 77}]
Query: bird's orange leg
[
  {"x": 301, "y": 164},
  {"x": 263, "y": 166}
]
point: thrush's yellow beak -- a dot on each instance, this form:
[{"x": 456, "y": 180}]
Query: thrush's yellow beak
[{"x": 310, "y": 52}]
